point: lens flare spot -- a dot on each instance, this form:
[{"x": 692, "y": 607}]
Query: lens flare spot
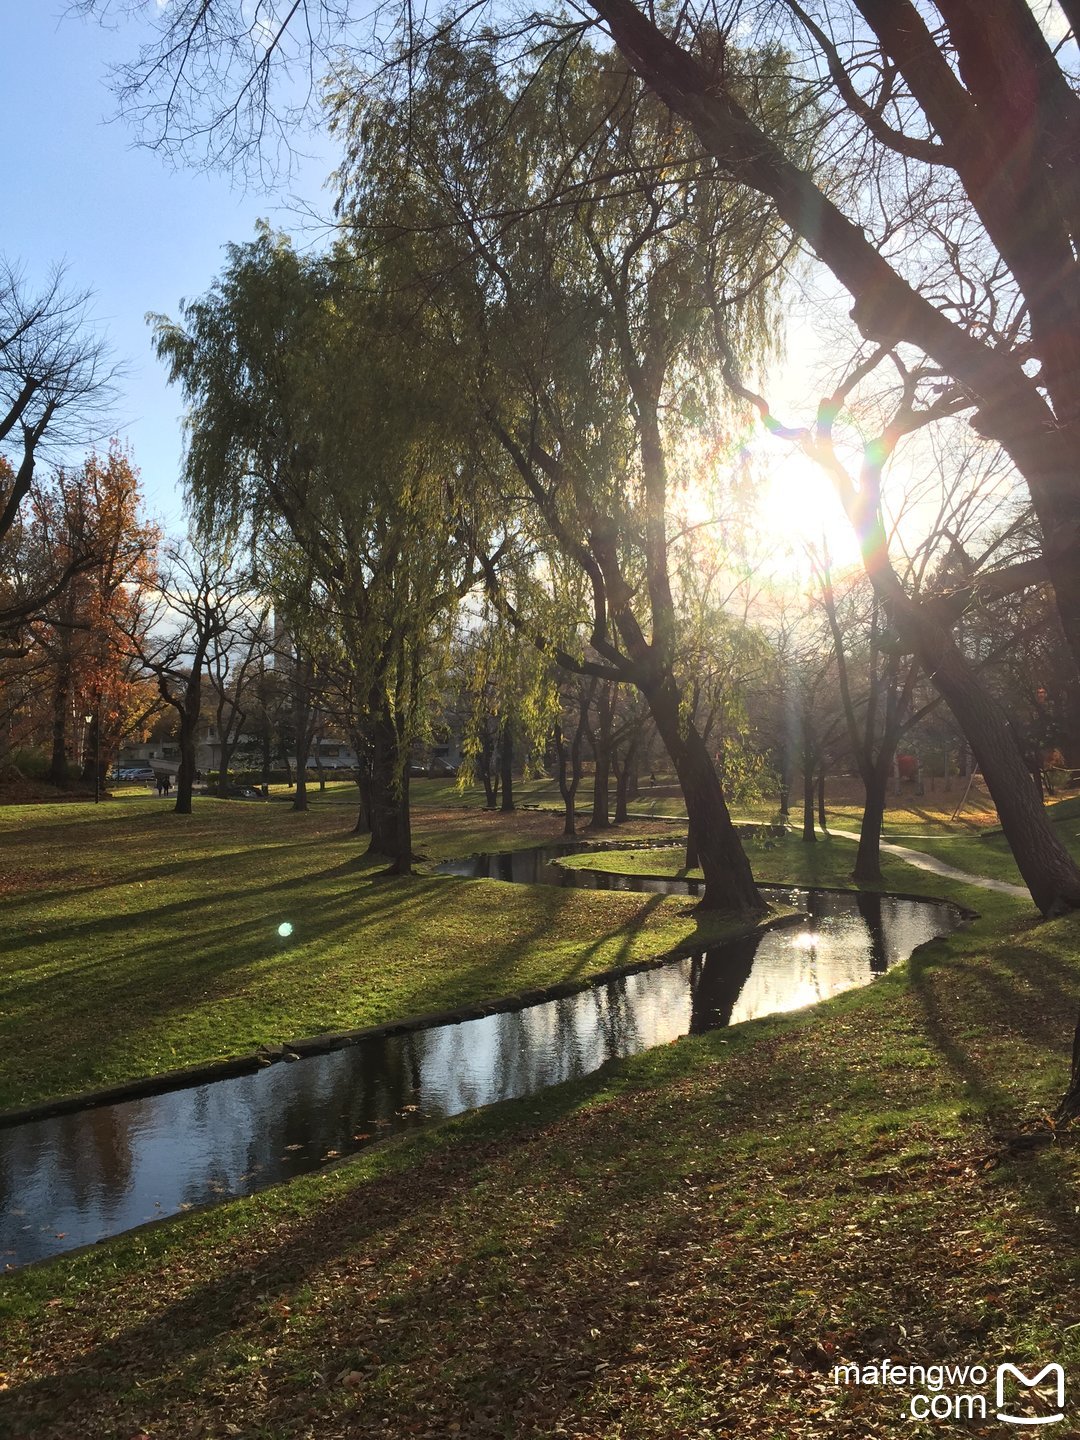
[{"x": 284, "y": 929}]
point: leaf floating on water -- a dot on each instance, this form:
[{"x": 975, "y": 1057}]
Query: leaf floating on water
[
  {"x": 362, "y": 1135},
  {"x": 294, "y": 1147}
]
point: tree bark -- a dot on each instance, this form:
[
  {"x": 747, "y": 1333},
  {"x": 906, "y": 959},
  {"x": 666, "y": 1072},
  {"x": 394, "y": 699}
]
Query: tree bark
[
  {"x": 625, "y": 777},
  {"x": 1069, "y": 1105},
  {"x": 189, "y": 722},
  {"x": 822, "y": 820},
  {"x": 224, "y": 761},
  {"x": 488, "y": 772},
  {"x": 506, "y": 764},
  {"x": 363, "y": 782},
  {"x": 868, "y": 856},
  {"x": 568, "y": 770},
  {"x": 388, "y": 807},
  {"x": 1048, "y": 870},
  {"x": 729, "y": 884},
  {"x": 808, "y": 834},
  {"x": 267, "y": 756},
  {"x": 58, "y": 769},
  {"x": 600, "y": 744},
  {"x": 302, "y": 717}
]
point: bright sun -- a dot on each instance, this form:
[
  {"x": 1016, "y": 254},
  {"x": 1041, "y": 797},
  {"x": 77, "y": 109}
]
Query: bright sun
[{"x": 796, "y": 508}]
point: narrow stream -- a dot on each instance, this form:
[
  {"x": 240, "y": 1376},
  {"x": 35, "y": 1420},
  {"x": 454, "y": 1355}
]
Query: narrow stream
[{"x": 73, "y": 1179}]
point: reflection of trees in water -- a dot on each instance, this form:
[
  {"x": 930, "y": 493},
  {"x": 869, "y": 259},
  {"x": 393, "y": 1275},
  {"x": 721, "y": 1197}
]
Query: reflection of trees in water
[
  {"x": 71, "y": 1163},
  {"x": 521, "y": 1052},
  {"x": 717, "y": 980},
  {"x": 285, "y": 1119},
  {"x": 869, "y": 907},
  {"x": 110, "y": 1165}
]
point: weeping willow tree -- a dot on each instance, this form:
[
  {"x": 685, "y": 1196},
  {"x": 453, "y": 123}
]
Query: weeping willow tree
[
  {"x": 582, "y": 267},
  {"x": 312, "y": 411}
]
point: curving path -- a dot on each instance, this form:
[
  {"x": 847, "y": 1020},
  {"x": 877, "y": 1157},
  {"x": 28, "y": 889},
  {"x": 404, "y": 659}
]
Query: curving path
[{"x": 922, "y": 861}]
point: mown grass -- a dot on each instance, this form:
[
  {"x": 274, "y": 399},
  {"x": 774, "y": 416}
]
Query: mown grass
[
  {"x": 681, "y": 1246},
  {"x": 133, "y": 940}
]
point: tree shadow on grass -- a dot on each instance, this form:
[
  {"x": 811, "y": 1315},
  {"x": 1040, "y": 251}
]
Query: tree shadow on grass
[
  {"x": 545, "y": 1260},
  {"x": 973, "y": 1011},
  {"x": 230, "y": 981}
]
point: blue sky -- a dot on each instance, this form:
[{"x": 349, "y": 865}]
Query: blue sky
[
  {"x": 143, "y": 234},
  {"x": 139, "y": 233}
]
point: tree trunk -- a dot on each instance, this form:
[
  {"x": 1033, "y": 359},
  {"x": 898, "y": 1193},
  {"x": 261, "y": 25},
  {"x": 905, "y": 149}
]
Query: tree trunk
[
  {"x": 625, "y": 778},
  {"x": 632, "y": 785},
  {"x": 363, "y": 814},
  {"x": 784, "y": 779},
  {"x": 565, "y": 758},
  {"x": 506, "y": 764},
  {"x": 1049, "y": 871},
  {"x": 302, "y": 728},
  {"x": 363, "y": 780},
  {"x": 402, "y": 861},
  {"x": 267, "y": 755},
  {"x": 808, "y": 835},
  {"x": 600, "y": 819},
  {"x": 185, "y": 776},
  {"x": 488, "y": 773},
  {"x": 227, "y": 748},
  {"x": 388, "y": 807},
  {"x": 600, "y": 742},
  {"x": 821, "y": 817},
  {"x": 729, "y": 884},
  {"x": 1069, "y": 1105},
  {"x": 58, "y": 770},
  {"x": 868, "y": 855}
]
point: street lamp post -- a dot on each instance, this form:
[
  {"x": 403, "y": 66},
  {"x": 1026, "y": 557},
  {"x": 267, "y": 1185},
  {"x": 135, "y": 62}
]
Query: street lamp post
[{"x": 96, "y": 720}]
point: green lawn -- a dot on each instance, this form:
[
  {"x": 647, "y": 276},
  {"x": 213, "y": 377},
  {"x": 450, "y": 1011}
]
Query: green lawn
[
  {"x": 133, "y": 940},
  {"x": 681, "y": 1246}
]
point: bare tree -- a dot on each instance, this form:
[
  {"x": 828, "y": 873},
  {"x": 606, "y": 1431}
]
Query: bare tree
[
  {"x": 56, "y": 385},
  {"x": 199, "y": 598},
  {"x": 233, "y": 666}
]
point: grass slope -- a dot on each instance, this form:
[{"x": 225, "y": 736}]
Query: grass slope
[
  {"x": 133, "y": 940},
  {"x": 681, "y": 1246}
]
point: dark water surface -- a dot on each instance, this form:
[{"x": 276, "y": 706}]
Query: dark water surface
[{"x": 73, "y": 1179}]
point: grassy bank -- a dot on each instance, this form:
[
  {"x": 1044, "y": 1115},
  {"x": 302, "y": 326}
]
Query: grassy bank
[
  {"x": 133, "y": 940},
  {"x": 681, "y": 1246}
]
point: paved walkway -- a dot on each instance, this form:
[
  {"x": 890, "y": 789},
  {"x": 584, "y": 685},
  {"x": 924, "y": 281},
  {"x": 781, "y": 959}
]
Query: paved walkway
[{"x": 922, "y": 861}]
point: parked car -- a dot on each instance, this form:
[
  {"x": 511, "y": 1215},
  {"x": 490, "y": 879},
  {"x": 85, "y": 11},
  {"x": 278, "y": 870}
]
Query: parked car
[
  {"x": 244, "y": 792},
  {"x": 135, "y": 772},
  {"x": 418, "y": 771},
  {"x": 443, "y": 768}
]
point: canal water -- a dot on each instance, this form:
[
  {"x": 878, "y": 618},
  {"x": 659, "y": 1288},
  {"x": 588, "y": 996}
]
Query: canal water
[{"x": 73, "y": 1179}]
